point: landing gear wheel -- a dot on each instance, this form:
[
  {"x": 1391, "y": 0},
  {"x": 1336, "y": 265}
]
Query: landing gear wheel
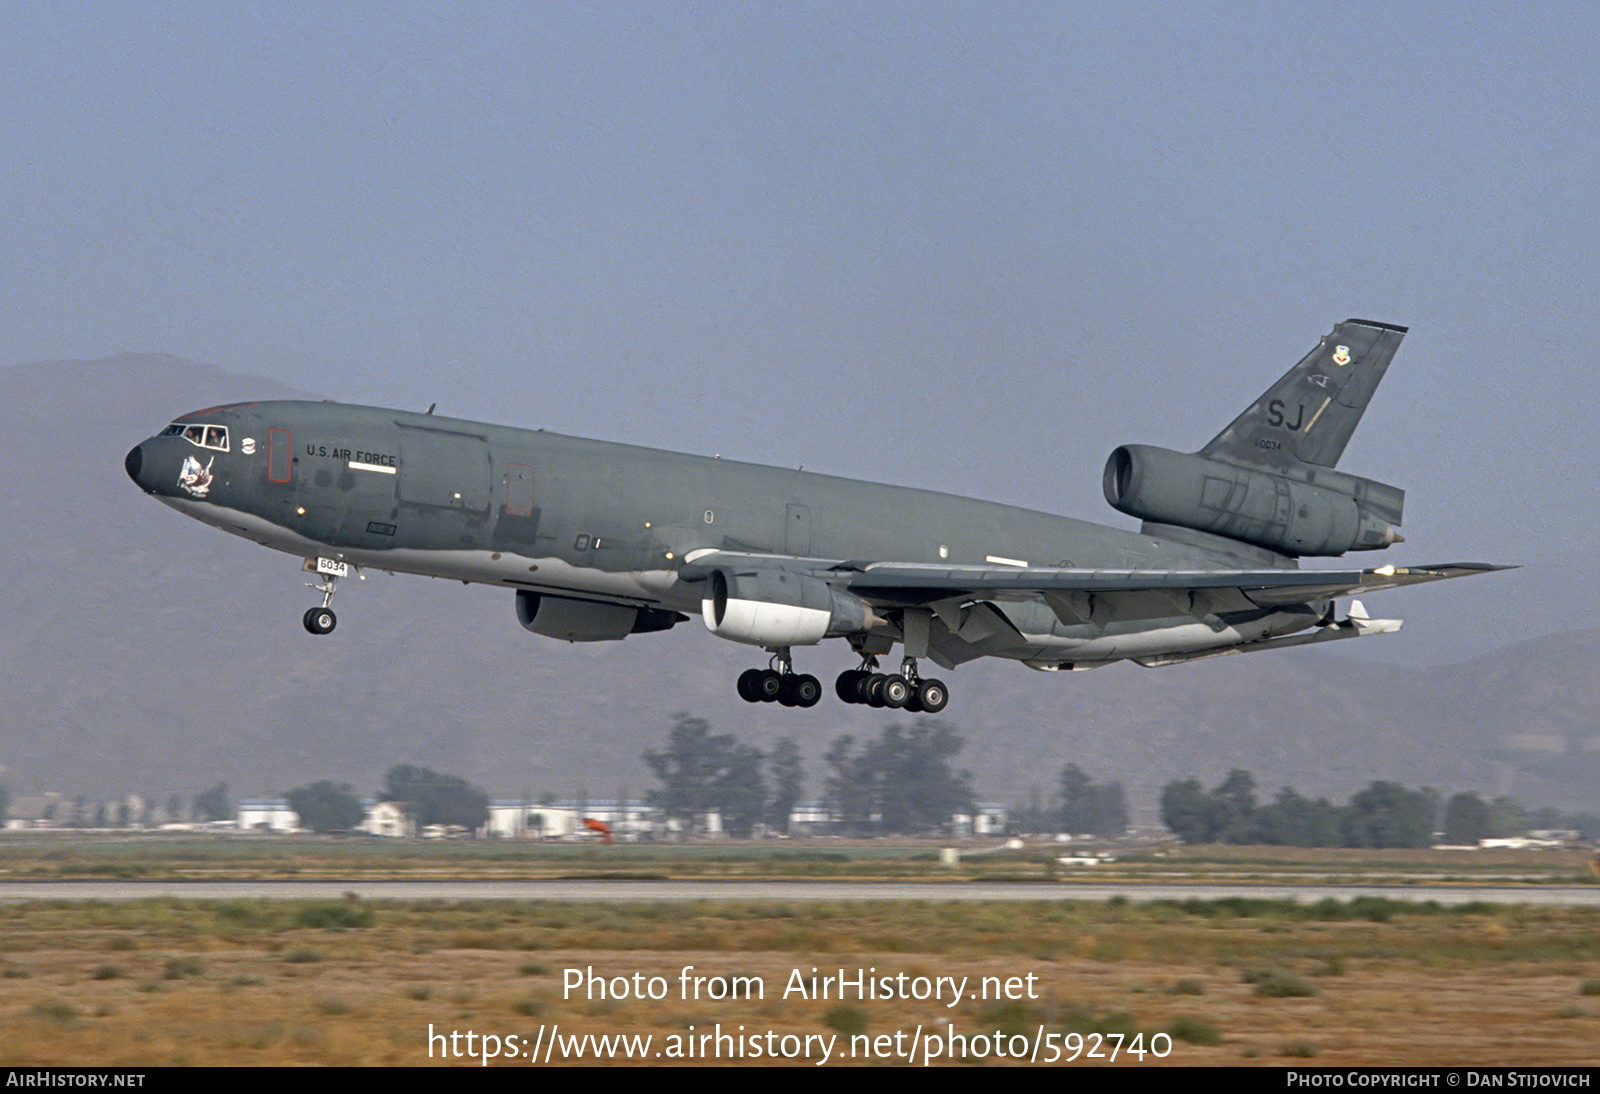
[
  {"x": 750, "y": 686},
  {"x": 768, "y": 686},
  {"x": 847, "y": 687},
  {"x": 895, "y": 692},
  {"x": 786, "y": 695},
  {"x": 320, "y": 620},
  {"x": 779, "y": 684},
  {"x": 806, "y": 689},
  {"x": 800, "y": 690},
  {"x": 932, "y": 696}
]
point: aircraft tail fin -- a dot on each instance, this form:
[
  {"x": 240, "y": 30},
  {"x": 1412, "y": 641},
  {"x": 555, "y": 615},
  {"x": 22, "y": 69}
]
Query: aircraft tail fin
[{"x": 1309, "y": 414}]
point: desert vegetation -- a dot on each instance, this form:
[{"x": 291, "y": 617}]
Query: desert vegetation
[{"x": 1242, "y": 980}]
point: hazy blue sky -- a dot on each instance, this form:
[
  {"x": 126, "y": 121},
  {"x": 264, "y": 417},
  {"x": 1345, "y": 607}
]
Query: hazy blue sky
[{"x": 959, "y": 246}]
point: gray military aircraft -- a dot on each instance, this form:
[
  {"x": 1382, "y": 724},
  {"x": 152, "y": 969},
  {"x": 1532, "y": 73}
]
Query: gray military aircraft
[{"x": 601, "y": 540}]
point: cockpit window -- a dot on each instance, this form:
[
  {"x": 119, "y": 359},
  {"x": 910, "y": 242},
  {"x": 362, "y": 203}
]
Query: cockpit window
[{"x": 202, "y": 436}]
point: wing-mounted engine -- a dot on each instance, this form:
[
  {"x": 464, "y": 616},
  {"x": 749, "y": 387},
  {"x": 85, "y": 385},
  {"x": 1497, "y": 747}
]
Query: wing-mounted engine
[
  {"x": 774, "y": 608},
  {"x": 588, "y": 620},
  {"x": 1305, "y": 511}
]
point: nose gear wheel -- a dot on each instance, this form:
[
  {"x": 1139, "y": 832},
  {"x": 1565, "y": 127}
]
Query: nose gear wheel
[{"x": 322, "y": 620}]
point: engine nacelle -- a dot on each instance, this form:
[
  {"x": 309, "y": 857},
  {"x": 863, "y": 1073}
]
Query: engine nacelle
[
  {"x": 1325, "y": 513},
  {"x": 587, "y": 620},
  {"x": 775, "y": 608}
]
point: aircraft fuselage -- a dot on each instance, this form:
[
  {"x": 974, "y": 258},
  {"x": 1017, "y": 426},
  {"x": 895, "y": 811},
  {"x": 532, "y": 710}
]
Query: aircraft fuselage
[
  {"x": 603, "y": 540},
  {"x": 528, "y": 509}
]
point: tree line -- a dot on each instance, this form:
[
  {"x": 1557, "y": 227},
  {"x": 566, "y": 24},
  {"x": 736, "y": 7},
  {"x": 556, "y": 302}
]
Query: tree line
[
  {"x": 1383, "y": 814},
  {"x": 900, "y": 781},
  {"x": 702, "y": 773},
  {"x": 1079, "y": 807},
  {"x": 131, "y": 811},
  {"x": 427, "y": 797}
]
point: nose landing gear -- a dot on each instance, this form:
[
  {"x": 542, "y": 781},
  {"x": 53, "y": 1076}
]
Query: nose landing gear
[{"x": 322, "y": 620}]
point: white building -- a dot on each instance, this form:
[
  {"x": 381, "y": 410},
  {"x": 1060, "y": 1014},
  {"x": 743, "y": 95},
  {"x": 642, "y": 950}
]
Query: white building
[
  {"x": 267, "y": 815},
  {"x": 989, "y": 820},
  {"x": 387, "y": 819},
  {"x": 627, "y": 820},
  {"x": 519, "y": 820}
]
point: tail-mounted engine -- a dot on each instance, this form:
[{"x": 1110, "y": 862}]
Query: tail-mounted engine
[{"x": 1311, "y": 511}]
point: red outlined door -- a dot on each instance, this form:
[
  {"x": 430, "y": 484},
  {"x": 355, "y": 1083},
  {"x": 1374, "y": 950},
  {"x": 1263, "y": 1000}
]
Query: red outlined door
[{"x": 280, "y": 455}]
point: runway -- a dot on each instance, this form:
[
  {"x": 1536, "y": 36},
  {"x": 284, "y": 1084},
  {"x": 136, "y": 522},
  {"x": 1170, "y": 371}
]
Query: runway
[{"x": 767, "y": 892}]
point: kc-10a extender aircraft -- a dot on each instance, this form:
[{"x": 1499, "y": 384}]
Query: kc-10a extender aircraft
[{"x": 600, "y": 540}]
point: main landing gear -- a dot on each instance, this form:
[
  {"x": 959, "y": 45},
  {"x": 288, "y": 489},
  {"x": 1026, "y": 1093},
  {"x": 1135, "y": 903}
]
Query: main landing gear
[
  {"x": 779, "y": 683},
  {"x": 904, "y": 691}
]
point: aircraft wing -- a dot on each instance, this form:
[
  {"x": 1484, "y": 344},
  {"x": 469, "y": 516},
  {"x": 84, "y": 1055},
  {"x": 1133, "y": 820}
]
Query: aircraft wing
[
  {"x": 914, "y": 583},
  {"x": 921, "y": 583}
]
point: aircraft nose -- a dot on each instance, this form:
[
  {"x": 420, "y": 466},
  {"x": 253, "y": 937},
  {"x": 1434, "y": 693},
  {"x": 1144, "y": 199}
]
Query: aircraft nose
[{"x": 134, "y": 463}]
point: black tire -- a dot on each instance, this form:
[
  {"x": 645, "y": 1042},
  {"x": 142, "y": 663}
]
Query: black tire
[
  {"x": 848, "y": 685},
  {"x": 871, "y": 689},
  {"x": 788, "y": 691},
  {"x": 749, "y": 685},
  {"x": 933, "y": 696},
  {"x": 769, "y": 687},
  {"x": 320, "y": 620},
  {"x": 895, "y": 692},
  {"x": 807, "y": 691}
]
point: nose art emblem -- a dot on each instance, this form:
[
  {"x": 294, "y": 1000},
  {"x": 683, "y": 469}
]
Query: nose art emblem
[{"x": 194, "y": 478}]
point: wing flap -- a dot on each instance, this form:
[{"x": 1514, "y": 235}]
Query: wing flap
[{"x": 1349, "y": 628}]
